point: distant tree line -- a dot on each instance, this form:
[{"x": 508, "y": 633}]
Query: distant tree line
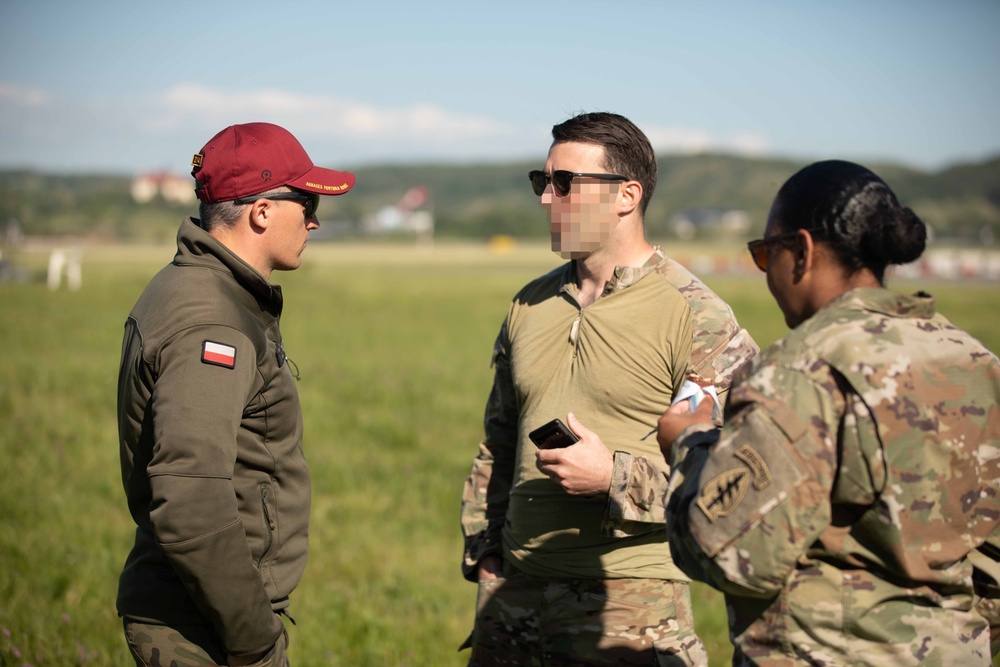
[{"x": 483, "y": 200}]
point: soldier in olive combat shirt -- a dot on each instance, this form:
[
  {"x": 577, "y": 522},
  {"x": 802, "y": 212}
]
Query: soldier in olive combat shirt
[{"x": 568, "y": 545}]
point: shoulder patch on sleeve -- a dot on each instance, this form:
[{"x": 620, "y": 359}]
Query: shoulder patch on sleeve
[
  {"x": 218, "y": 354},
  {"x": 720, "y": 496},
  {"x": 747, "y": 475},
  {"x": 758, "y": 467},
  {"x": 724, "y": 492}
]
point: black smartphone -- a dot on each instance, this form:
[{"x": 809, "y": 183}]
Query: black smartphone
[{"x": 553, "y": 435}]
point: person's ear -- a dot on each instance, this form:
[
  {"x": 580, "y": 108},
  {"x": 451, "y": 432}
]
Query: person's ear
[
  {"x": 261, "y": 212},
  {"x": 804, "y": 250},
  {"x": 629, "y": 196}
]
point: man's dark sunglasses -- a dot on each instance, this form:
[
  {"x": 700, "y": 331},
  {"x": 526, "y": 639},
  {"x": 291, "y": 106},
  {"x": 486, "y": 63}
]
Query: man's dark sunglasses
[
  {"x": 759, "y": 249},
  {"x": 309, "y": 200},
  {"x": 561, "y": 180}
]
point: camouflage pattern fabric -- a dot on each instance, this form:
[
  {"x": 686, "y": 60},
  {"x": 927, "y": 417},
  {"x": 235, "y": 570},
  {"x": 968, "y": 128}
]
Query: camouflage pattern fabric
[
  {"x": 525, "y": 621},
  {"x": 857, "y": 472},
  {"x": 189, "y": 646},
  {"x": 720, "y": 349}
]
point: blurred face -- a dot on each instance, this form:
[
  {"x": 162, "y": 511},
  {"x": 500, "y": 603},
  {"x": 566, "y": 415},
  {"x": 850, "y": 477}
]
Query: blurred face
[
  {"x": 584, "y": 219},
  {"x": 290, "y": 232}
]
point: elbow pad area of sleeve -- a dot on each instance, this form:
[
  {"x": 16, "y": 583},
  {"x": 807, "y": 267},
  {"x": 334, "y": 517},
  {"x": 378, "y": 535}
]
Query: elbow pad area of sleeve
[{"x": 186, "y": 508}]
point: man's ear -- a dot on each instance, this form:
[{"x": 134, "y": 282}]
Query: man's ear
[
  {"x": 629, "y": 196},
  {"x": 261, "y": 211}
]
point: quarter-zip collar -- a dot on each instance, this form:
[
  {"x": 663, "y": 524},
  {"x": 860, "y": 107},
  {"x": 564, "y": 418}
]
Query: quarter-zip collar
[{"x": 623, "y": 277}]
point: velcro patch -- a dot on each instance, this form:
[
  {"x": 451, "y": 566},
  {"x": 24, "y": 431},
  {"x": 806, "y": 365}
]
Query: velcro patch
[
  {"x": 218, "y": 354},
  {"x": 723, "y": 493},
  {"x": 749, "y": 473},
  {"x": 761, "y": 473}
]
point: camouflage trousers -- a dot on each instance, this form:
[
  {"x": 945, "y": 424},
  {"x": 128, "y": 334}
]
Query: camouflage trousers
[
  {"x": 526, "y": 621},
  {"x": 195, "y": 645}
]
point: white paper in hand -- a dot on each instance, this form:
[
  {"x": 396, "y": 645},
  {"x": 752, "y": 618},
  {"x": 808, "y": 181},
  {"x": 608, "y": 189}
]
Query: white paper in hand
[{"x": 695, "y": 392}]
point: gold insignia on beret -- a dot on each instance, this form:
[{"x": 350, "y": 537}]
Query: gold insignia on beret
[{"x": 196, "y": 160}]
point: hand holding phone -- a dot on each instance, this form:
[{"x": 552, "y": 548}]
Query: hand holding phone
[{"x": 553, "y": 435}]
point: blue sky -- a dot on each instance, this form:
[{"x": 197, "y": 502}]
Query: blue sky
[{"x": 131, "y": 86}]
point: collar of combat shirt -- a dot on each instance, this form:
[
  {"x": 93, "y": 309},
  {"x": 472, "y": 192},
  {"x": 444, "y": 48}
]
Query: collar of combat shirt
[{"x": 624, "y": 276}]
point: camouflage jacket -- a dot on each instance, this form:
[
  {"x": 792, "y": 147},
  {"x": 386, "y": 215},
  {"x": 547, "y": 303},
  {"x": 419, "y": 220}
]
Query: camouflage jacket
[
  {"x": 858, "y": 467},
  {"x": 718, "y": 347}
]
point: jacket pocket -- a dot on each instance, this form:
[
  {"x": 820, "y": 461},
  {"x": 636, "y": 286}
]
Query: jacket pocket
[{"x": 267, "y": 513}]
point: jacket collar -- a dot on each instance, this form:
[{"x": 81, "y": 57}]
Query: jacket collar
[{"x": 196, "y": 247}]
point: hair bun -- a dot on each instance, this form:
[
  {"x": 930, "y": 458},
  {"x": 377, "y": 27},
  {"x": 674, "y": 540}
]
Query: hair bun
[
  {"x": 905, "y": 236},
  {"x": 861, "y": 219}
]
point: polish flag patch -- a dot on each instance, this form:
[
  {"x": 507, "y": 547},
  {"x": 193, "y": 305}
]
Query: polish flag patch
[{"x": 218, "y": 354}]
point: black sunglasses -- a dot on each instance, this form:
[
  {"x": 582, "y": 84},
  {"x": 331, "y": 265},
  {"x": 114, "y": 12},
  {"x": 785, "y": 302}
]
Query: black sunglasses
[
  {"x": 760, "y": 249},
  {"x": 561, "y": 180},
  {"x": 308, "y": 200}
]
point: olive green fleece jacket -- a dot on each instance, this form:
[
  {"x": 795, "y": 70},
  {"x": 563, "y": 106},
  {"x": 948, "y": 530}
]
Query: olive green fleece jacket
[{"x": 211, "y": 450}]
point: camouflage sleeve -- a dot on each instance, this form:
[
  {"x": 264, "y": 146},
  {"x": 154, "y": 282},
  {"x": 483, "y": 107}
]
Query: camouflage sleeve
[
  {"x": 747, "y": 502},
  {"x": 638, "y": 492},
  {"x": 720, "y": 346},
  {"x": 487, "y": 488}
]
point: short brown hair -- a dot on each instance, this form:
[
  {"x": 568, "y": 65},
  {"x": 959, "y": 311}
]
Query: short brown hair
[
  {"x": 226, "y": 213},
  {"x": 627, "y": 151}
]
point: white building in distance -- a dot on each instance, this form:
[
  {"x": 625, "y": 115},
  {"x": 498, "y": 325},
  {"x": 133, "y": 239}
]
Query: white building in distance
[{"x": 172, "y": 188}]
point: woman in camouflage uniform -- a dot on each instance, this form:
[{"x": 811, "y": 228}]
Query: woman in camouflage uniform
[{"x": 855, "y": 487}]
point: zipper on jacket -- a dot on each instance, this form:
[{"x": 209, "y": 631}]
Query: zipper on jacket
[{"x": 268, "y": 521}]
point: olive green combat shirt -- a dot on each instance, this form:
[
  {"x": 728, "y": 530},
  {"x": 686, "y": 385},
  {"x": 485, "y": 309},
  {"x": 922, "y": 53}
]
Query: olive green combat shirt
[
  {"x": 615, "y": 364},
  {"x": 853, "y": 488},
  {"x": 210, "y": 432}
]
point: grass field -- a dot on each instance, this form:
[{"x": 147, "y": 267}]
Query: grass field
[{"x": 393, "y": 345}]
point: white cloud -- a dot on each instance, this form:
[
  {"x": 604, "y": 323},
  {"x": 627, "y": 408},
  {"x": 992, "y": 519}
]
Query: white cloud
[
  {"x": 411, "y": 131},
  {"x": 30, "y": 97},
  {"x": 749, "y": 144},
  {"x": 156, "y": 131},
  {"x": 673, "y": 139},
  {"x": 326, "y": 115}
]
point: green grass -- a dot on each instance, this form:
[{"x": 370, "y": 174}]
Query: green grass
[{"x": 393, "y": 345}]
